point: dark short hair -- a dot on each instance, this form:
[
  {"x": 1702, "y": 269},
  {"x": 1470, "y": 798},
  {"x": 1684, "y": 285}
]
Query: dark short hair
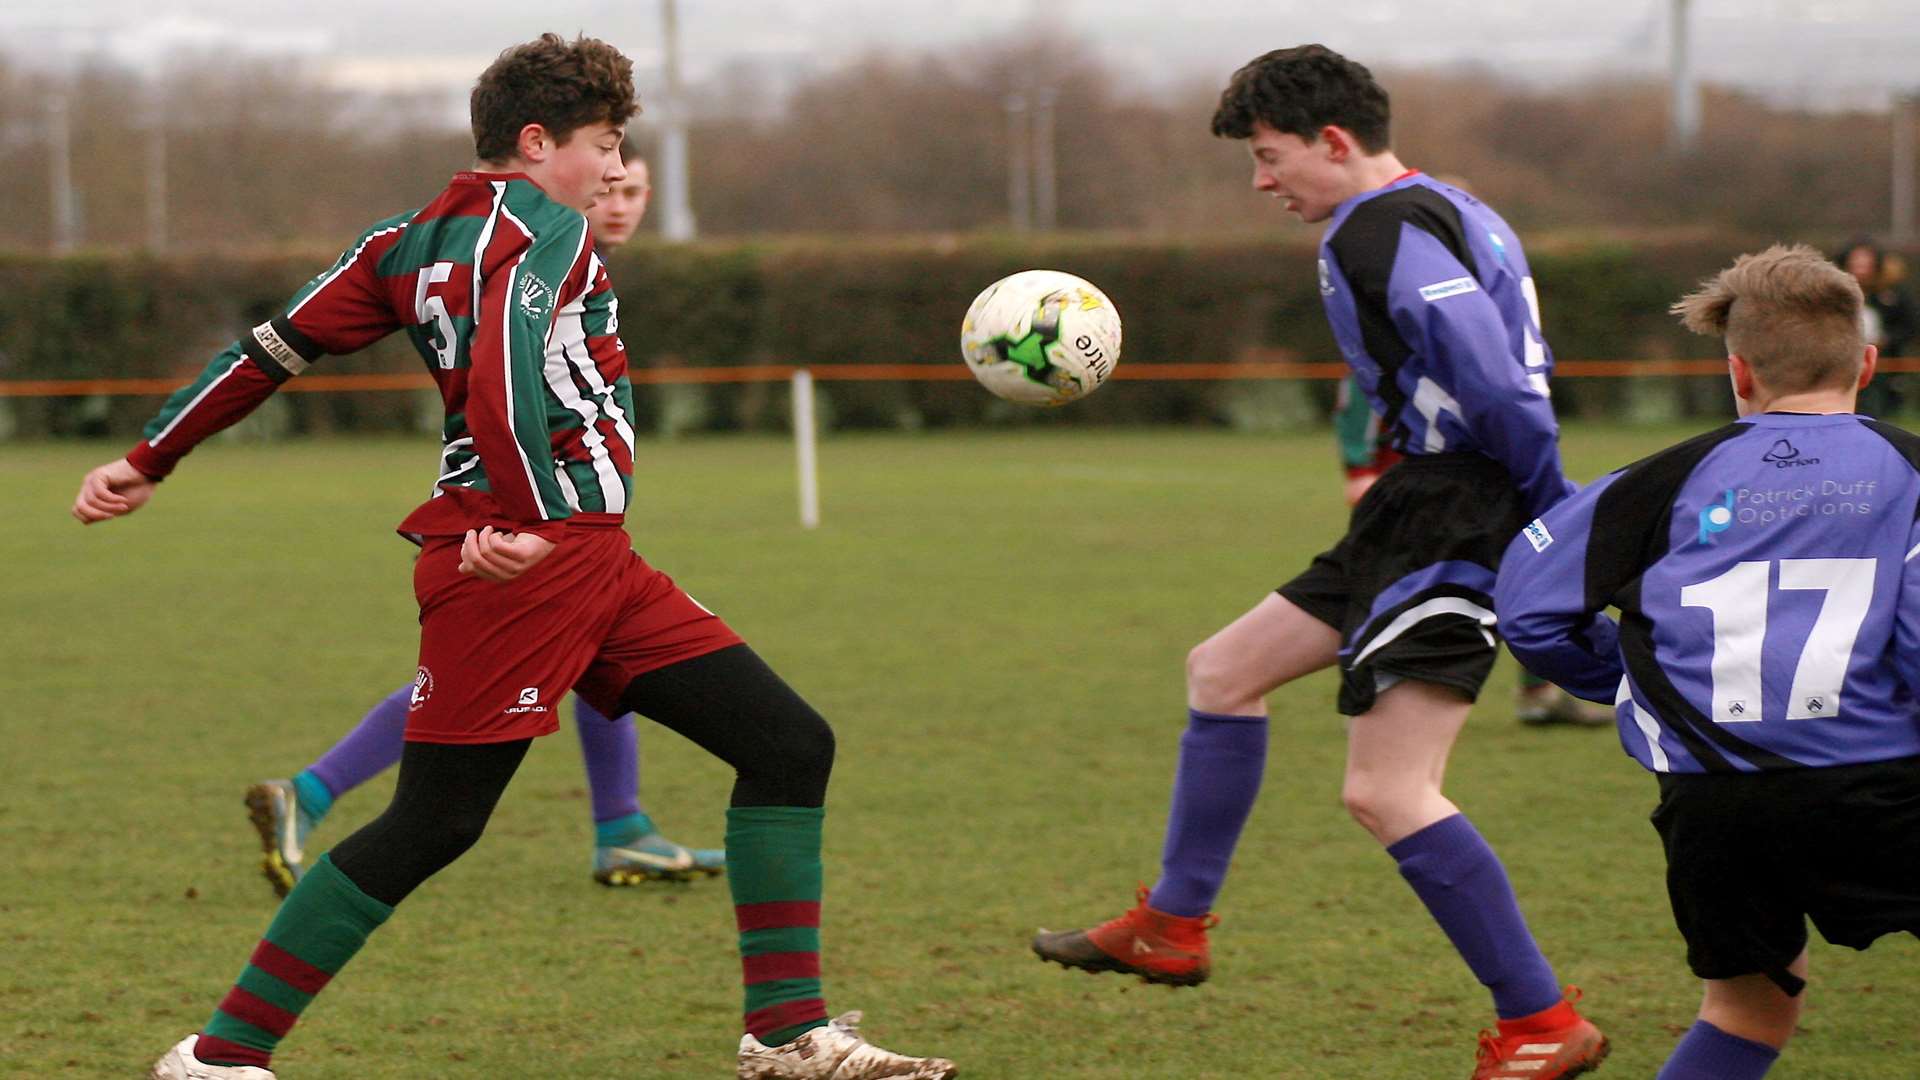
[
  {"x": 561, "y": 85},
  {"x": 1300, "y": 90}
]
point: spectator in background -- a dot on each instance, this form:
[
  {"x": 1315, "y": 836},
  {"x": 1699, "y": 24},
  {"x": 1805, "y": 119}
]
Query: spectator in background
[{"x": 1890, "y": 317}]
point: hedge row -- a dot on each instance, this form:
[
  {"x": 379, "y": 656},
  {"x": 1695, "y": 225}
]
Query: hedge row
[{"x": 834, "y": 302}]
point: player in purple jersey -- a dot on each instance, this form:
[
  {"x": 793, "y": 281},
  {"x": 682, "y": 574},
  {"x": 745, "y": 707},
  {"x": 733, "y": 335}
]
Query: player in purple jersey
[
  {"x": 1766, "y": 665},
  {"x": 628, "y": 848},
  {"x": 1364, "y": 455},
  {"x": 1428, "y": 295}
]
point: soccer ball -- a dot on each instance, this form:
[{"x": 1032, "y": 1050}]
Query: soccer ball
[{"x": 1041, "y": 337}]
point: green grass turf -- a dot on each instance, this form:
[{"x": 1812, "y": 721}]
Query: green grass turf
[{"x": 995, "y": 624}]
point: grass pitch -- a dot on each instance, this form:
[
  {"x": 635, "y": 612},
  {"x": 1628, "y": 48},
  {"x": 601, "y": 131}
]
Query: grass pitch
[{"x": 995, "y": 624}]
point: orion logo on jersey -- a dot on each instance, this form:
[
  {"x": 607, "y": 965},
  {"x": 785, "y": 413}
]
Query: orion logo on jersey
[
  {"x": 422, "y": 688},
  {"x": 1717, "y": 518},
  {"x": 1784, "y": 455}
]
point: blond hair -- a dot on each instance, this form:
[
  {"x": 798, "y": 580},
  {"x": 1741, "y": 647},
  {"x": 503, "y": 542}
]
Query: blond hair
[{"x": 1788, "y": 312}]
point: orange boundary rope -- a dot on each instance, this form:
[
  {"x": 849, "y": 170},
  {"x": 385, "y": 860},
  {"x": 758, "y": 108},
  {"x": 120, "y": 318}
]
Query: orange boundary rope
[{"x": 956, "y": 372}]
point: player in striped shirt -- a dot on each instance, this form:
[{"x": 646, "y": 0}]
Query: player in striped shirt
[
  {"x": 1766, "y": 665},
  {"x": 1431, "y": 302},
  {"x": 628, "y": 847},
  {"x": 527, "y": 582}
]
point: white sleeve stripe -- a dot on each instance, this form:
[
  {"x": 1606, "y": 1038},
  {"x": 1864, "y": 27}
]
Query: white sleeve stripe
[
  {"x": 343, "y": 267},
  {"x": 188, "y": 408},
  {"x": 1911, "y": 554}
]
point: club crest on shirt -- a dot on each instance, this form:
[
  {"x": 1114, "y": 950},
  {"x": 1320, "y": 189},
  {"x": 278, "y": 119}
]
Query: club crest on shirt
[
  {"x": 536, "y": 296},
  {"x": 422, "y": 688}
]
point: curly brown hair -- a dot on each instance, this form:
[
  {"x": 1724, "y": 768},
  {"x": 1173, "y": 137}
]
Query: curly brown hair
[{"x": 561, "y": 85}]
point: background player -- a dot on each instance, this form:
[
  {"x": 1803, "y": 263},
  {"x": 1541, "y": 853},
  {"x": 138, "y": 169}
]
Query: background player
[
  {"x": 1767, "y": 659},
  {"x": 628, "y": 848},
  {"x": 527, "y": 581},
  {"x": 1429, "y": 297}
]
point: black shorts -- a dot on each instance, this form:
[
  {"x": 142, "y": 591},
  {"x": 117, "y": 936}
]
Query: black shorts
[
  {"x": 1751, "y": 856},
  {"x": 1410, "y": 587}
]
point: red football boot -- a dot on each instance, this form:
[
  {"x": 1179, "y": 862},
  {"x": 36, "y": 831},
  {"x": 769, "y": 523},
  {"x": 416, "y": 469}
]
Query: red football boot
[
  {"x": 1551, "y": 1043},
  {"x": 1158, "y": 947}
]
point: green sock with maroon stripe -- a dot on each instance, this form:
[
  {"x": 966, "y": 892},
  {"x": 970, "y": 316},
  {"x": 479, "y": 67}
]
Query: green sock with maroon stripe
[
  {"x": 320, "y": 925},
  {"x": 773, "y": 869}
]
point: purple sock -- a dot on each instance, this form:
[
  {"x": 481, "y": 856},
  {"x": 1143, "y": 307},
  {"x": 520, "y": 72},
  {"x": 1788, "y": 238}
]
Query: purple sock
[
  {"x": 612, "y": 751},
  {"x": 1707, "y": 1053},
  {"x": 1221, "y": 760},
  {"x": 1464, "y": 886},
  {"x": 369, "y": 748}
]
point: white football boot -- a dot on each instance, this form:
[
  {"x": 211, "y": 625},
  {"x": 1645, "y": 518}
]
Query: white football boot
[
  {"x": 835, "y": 1052},
  {"x": 180, "y": 1064}
]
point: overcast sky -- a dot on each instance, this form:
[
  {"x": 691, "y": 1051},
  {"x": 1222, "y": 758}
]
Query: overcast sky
[{"x": 1817, "y": 51}]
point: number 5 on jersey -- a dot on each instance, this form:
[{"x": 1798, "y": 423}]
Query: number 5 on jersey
[
  {"x": 1738, "y": 601},
  {"x": 429, "y": 307}
]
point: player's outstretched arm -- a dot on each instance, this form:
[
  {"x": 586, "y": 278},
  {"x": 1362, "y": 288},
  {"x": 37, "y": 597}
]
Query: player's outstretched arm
[
  {"x": 110, "y": 491},
  {"x": 501, "y": 556},
  {"x": 1549, "y": 615}
]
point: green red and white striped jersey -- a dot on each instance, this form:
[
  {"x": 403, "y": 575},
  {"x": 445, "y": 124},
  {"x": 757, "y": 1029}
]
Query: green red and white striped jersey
[{"x": 501, "y": 292}]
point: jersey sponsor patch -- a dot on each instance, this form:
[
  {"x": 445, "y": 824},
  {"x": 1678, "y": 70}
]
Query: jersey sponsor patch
[
  {"x": 1440, "y": 290},
  {"x": 1716, "y": 518},
  {"x": 1537, "y": 534}
]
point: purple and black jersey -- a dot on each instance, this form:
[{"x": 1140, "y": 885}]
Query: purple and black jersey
[
  {"x": 1769, "y": 599},
  {"x": 1430, "y": 299}
]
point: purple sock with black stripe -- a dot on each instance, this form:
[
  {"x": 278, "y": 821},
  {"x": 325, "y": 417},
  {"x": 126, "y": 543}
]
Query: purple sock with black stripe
[
  {"x": 1221, "y": 761},
  {"x": 1465, "y": 888},
  {"x": 1707, "y": 1053}
]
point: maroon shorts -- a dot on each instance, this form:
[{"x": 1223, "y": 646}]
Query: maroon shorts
[{"x": 497, "y": 657}]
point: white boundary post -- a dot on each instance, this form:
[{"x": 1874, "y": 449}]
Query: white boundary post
[{"x": 803, "y": 449}]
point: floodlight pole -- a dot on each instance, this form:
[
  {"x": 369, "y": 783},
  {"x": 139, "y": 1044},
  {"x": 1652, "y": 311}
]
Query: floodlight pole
[
  {"x": 60, "y": 170},
  {"x": 1045, "y": 201},
  {"x": 1019, "y": 172},
  {"x": 676, "y": 211},
  {"x": 1685, "y": 115},
  {"x": 1904, "y": 116},
  {"x": 157, "y": 169}
]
